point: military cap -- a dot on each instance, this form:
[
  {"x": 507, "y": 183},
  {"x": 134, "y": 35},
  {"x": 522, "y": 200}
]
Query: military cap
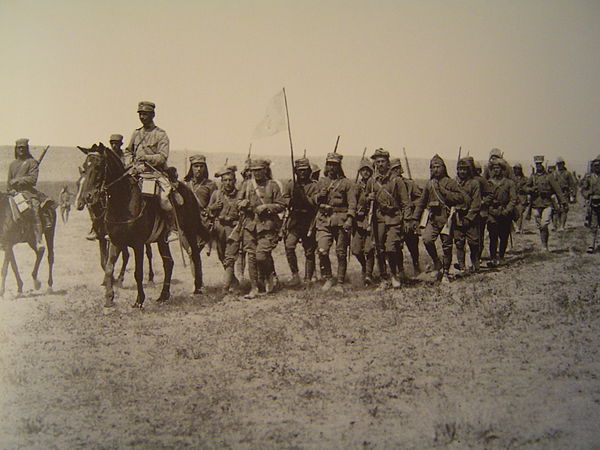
[
  {"x": 518, "y": 166},
  {"x": 395, "y": 162},
  {"x": 22, "y": 141},
  {"x": 225, "y": 170},
  {"x": 560, "y": 160},
  {"x": 470, "y": 160},
  {"x": 365, "y": 163},
  {"x": 197, "y": 159},
  {"x": 116, "y": 137},
  {"x": 465, "y": 162},
  {"x": 334, "y": 157},
  {"x": 496, "y": 153},
  {"x": 538, "y": 159},
  {"x": 146, "y": 107},
  {"x": 257, "y": 164},
  {"x": 380, "y": 153},
  {"x": 302, "y": 163}
]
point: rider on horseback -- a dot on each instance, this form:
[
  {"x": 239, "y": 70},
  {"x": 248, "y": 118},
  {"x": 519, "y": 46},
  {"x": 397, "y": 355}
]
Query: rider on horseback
[{"x": 22, "y": 178}]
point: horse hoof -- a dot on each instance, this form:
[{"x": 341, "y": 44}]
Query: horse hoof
[
  {"x": 138, "y": 305},
  {"x": 162, "y": 299},
  {"x": 49, "y": 290},
  {"x": 198, "y": 291},
  {"x": 37, "y": 284}
]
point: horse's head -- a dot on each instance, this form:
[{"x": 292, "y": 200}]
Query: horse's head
[{"x": 92, "y": 175}]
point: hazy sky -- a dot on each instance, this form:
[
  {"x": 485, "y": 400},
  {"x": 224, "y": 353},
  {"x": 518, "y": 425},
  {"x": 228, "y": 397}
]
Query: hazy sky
[{"x": 426, "y": 75}]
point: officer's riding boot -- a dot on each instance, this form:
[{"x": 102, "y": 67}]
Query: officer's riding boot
[
  {"x": 37, "y": 230},
  {"x": 292, "y": 260},
  {"x": 253, "y": 275},
  {"x": 435, "y": 259},
  {"x": 341, "y": 271}
]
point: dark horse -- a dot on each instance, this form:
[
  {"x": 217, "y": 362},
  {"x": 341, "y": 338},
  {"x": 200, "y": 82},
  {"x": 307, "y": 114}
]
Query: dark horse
[
  {"x": 13, "y": 232},
  {"x": 133, "y": 220},
  {"x": 97, "y": 210}
]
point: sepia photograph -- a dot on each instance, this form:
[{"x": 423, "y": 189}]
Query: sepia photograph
[{"x": 278, "y": 224}]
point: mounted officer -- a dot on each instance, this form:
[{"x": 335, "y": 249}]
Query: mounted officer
[
  {"x": 297, "y": 227},
  {"x": 22, "y": 177},
  {"x": 336, "y": 198},
  {"x": 546, "y": 197},
  {"x": 223, "y": 209},
  {"x": 392, "y": 216}
]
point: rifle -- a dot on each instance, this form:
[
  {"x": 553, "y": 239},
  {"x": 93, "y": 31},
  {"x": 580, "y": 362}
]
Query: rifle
[
  {"x": 407, "y": 165},
  {"x": 39, "y": 161},
  {"x": 336, "y": 144},
  {"x": 459, "y": 153},
  {"x": 361, "y": 159}
]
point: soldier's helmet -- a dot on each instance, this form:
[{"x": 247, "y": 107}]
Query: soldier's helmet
[
  {"x": 496, "y": 153},
  {"x": 365, "y": 164},
  {"x": 396, "y": 163},
  {"x": 437, "y": 160},
  {"x": 334, "y": 158}
]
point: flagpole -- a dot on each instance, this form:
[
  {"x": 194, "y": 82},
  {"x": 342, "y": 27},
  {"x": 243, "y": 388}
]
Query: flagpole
[{"x": 287, "y": 114}]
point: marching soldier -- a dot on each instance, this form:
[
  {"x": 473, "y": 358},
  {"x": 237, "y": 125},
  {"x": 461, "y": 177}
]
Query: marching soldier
[
  {"x": 485, "y": 191},
  {"x": 567, "y": 184},
  {"x": 202, "y": 187},
  {"x": 466, "y": 220},
  {"x": 64, "y": 201},
  {"x": 22, "y": 177},
  {"x": 546, "y": 196},
  {"x": 501, "y": 211},
  {"x": 392, "y": 218},
  {"x": 590, "y": 190},
  {"x": 411, "y": 238},
  {"x": 522, "y": 197},
  {"x": 223, "y": 209},
  {"x": 336, "y": 199},
  {"x": 440, "y": 195},
  {"x": 362, "y": 242},
  {"x": 299, "y": 197},
  {"x": 260, "y": 202}
]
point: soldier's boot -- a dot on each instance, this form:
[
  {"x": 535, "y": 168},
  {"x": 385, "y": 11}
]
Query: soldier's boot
[
  {"x": 92, "y": 236},
  {"x": 253, "y": 275},
  {"x": 445, "y": 277},
  {"x": 370, "y": 263},
  {"x": 295, "y": 281},
  {"x": 290, "y": 254},
  {"x": 563, "y": 220},
  {"x": 435, "y": 259},
  {"x": 342, "y": 267},
  {"x": 327, "y": 285},
  {"x": 460, "y": 258},
  {"x": 38, "y": 230},
  {"x": 309, "y": 270},
  {"x": 474, "y": 255},
  {"x": 228, "y": 277}
]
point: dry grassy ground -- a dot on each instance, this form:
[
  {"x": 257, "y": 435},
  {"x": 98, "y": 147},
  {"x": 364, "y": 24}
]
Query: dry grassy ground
[{"x": 505, "y": 358}]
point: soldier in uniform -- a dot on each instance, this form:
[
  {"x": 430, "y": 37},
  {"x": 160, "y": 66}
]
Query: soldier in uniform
[
  {"x": 22, "y": 177},
  {"x": 485, "y": 191},
  {"x": 440, "y": 195},
  {"x": 148, "y": 149},
  {"x": 546, "y": 196},
  {"x": 315, "y": 172},
  {"x": 590, "y": 190},
  {"x": 466, "y": 220},
  {"x": 223, "y": 209},
  {"x": 522, "y": 197},
  {"x": 411, "y": 238},
  {"x": 392, "y": 216},
  {"x": 299, "y": 197},
  {"x": 566, "y": 182},
  {"x": 116, "y": 142},
  {"x": 64, "y": 200},
  {"x": 202, "y": 187},
  {"x": 362, "y": 242},
  {"x": 260, "y": 202},
  {"x": 501, "y": 211},
  {"x": 336, "y": 199}
]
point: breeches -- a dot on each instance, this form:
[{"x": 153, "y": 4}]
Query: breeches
[
  {"x": 391, "y": 237},
  {"x": 469, "y": 233},
  {"x": 260, "y": 243},
  {"x": 362, "y": 241},
  {"x": 327, "y": 235}
]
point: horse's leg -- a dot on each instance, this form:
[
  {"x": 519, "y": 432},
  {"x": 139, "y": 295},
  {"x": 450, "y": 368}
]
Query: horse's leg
[
  {"x": 49, "y": 235},
  {"x": 109, "y": 293},
  {"x": 150, "y": 269},
  {"x": 124, "y": 261},
  {"x": 167, "y": 259},
  {"x": 13, "y": 264},
  {"x": 39, "y": 255},
  {"x": 138, "y": 253},
  {"x": 4, "y": 273},
  {"x": 196, "y": 258},
  {"x": 103, "y": 246}
]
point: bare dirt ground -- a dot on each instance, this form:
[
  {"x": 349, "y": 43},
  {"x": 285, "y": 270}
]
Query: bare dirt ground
[{"x": 505, "y": 358}]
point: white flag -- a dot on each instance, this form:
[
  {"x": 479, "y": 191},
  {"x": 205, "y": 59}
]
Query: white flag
[{"x": 274, "y": 121}]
